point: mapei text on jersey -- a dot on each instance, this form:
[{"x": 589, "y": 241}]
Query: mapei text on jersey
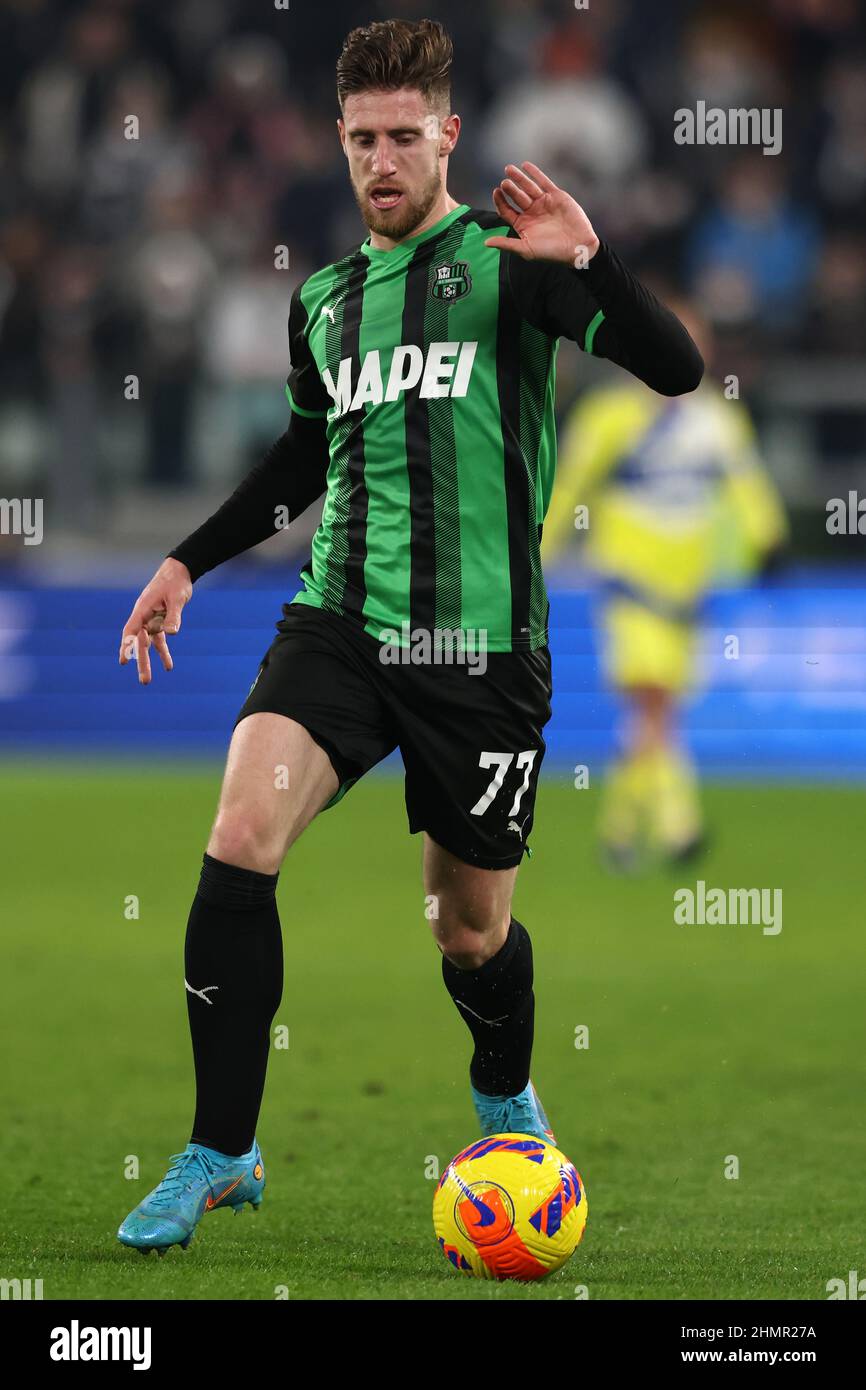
[{"x": 445, "y": 371}]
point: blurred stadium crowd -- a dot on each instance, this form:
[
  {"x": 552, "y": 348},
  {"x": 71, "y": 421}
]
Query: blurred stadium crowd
[{"x": 154, "y": 256}]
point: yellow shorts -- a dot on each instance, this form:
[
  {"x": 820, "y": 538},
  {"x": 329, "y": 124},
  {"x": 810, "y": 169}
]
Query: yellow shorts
[{"x": 644, "y": 648}]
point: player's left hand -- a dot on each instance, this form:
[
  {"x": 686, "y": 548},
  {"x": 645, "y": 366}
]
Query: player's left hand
[{"x": 550, "y": 225}]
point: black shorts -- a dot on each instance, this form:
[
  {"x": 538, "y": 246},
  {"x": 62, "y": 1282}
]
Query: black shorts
[{"x": 471, "y": 743}]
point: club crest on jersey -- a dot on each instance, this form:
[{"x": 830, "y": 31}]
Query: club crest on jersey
[{"x": 451, "y": 281}]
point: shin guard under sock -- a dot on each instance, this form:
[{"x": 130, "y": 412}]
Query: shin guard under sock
[
  {"x": 233, "y": 972},
  {"x": 498, "y": 1005}
]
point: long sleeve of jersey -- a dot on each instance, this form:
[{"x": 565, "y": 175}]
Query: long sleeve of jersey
[
  {"x": 609, "y": 313},
  {"x": 291, "y": 475}
]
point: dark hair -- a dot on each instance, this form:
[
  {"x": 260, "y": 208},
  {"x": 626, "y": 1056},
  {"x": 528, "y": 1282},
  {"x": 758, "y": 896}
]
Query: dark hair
[{"x": 396, "y": 53}]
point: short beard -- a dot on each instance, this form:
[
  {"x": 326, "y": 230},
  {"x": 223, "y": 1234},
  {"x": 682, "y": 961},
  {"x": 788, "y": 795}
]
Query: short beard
[{"x": 412, "y": 215}]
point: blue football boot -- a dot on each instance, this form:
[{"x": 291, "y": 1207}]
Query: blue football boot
[
  {"x": 198, "y": 1180},
  {"x": 521, "y": 1114}
]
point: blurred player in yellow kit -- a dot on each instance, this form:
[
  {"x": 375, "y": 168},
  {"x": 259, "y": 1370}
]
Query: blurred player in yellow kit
[{"x": 673, "y": 498}]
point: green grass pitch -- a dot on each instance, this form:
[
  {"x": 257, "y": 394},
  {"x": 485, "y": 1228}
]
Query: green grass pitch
[{"x": 704, "y": 1042}]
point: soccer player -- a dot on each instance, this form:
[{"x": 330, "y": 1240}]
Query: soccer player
[
  {"x": 421, "y": 396},
  {"x": 677, "y": 498}
]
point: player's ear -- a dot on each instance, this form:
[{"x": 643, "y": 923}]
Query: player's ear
[
  {"x": 341, "y": 131},
  {"x": 449, "y": 134}
]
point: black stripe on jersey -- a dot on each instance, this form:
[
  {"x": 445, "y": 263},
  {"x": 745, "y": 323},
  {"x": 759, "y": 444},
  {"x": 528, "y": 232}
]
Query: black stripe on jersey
[
  {"x": 443, "y": 454},
  {"x": 334, "y": 567},
  {"x": 349, "y": 494},
  {"x": 422, "y": 521},
  {"x": 355, "y": 587},
  {"x": 420, "y": 315},
  {"x": 519, "y": 483},
  {"x": 519, "y": 494}
]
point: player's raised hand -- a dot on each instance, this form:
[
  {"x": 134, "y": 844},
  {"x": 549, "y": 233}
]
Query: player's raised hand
[
  {"x": 157, "y": 612},
  {"x": 550, "y": 225}
]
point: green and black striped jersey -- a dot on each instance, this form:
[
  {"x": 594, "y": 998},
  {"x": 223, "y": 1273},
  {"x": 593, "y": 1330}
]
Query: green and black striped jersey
[{"x": 432, "y": 368}]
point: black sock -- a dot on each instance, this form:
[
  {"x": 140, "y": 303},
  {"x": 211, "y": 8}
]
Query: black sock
[
  {"x": 233, "y": 967},
  {"x": 498, "y": 1004}
]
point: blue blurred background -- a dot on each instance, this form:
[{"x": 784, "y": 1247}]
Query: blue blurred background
[
  {"x": 154, "y": 258},
  {"x": 793, "y": 705}
]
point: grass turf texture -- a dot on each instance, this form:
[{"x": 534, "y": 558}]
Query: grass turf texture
[{"x": 704, "y": 1042}]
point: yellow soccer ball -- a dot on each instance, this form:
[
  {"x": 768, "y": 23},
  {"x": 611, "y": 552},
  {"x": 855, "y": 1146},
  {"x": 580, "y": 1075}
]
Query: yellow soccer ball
[{"x": 509, "y": 1207}]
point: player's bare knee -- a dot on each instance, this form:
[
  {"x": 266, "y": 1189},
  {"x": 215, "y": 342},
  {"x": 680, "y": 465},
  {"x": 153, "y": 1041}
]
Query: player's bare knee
[
  {"x": 246, "y": 839},
  {"x": 470, "y": 940},
  {"x": 468, "y": 950}
]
